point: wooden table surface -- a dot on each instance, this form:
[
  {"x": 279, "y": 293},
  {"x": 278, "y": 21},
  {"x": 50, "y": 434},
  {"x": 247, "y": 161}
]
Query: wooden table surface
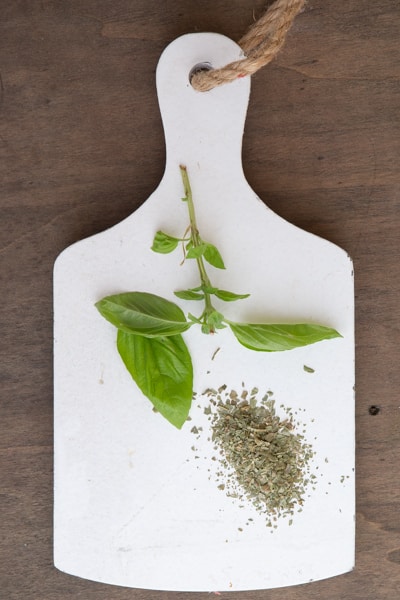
[{"x": 82, "y": 147}]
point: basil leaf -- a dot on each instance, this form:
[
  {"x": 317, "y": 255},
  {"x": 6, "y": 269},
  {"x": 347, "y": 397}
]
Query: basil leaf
[
  {"x": 207, "y": 328},
  {"x": 189, "y": 295},
  {"x": 143, "y": 314},
  {"x": 164, "y": 243},
  {"x": 215, "y": 319},
  {"x": 212, "y": 256},
  {"x": 194, "y": 319},
  {"x": 210, "y": 253},
  {"x": 196, "y": 251},
  {"x": 229, "y": 296},
  {"x": 278, "y": 337},
  {"x": 162, "y": 369}
]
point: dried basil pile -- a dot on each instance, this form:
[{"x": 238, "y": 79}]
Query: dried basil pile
[{"x": 269, "y": 460}]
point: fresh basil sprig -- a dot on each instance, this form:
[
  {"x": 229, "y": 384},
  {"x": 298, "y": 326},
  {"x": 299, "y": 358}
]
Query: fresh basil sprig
[{"x": 149, "y": 327}]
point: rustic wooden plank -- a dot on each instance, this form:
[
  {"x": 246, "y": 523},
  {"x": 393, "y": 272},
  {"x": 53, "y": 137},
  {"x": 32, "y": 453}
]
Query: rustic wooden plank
[{"x": 81, "y": 147}]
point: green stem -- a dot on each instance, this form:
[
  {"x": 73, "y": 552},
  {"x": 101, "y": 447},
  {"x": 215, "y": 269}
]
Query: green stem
[{"x": 196, "y": 241}]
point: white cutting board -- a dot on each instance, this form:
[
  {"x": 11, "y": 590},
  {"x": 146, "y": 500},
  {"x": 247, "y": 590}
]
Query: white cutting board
[{"x": 133, "y": 506}]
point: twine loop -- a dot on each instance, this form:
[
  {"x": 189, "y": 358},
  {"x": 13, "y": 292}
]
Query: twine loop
[{"x": 260, "y": 44}]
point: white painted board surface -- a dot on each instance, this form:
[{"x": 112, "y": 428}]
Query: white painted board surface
[{"x": 133, "y": 506}]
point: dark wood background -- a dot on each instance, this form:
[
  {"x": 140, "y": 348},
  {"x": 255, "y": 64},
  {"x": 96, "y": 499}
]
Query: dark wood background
[{"x": 82, "y": 146}]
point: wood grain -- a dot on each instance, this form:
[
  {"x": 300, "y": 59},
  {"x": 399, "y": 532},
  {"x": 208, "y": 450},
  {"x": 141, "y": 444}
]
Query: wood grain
[{"x": 81, "y": 147}]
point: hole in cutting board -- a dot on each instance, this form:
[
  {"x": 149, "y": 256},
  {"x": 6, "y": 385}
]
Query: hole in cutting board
[{"x": 198, "y": 68}]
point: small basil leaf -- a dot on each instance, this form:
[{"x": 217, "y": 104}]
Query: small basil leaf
[
  {"x": 194, "y": 319},
  {"x": 278, "y": 337},
  {"x": 143, "y": 314},
  {"x": 229, "y": 296},
  {"x": 162, "y": 369},
  {"x": 212, "y": 256},
  {"x": 164, "y": 243},
  {"x": 215, "y": 319},
  {"x": 209, "y": 290},
  {"x": 189, "y": 295},
  {"x": 206, "y": 328},
  {"x": 196, "y": 251}
]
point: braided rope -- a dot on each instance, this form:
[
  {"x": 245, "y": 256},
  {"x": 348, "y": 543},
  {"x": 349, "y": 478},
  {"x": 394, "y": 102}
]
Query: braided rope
[{"x": 260, "y": 44}]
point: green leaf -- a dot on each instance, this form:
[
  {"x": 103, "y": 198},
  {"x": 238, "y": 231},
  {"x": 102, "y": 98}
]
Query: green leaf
[
  {"x": 215, "y": 319},
  {"x": 206, "y": 328},
  {"x": 196, "y": 251},
  {"x": 194, "y": 319},
  {"x": 162, "y": 369},
  {"x": 189, "y": 295},
  {"x": 210, "y": 253},
  {"x": 164, "y": 243},
  {"x": 229, "y": 296},
  {"x": 209, "y": 289},
  {"x": 212, "y": 256},
  {"x": 143, "y": 314},
  {"x": 278, "y": 337}
]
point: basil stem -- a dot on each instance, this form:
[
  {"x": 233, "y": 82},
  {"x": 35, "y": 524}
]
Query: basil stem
[{"x": 196, "y": 241}]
